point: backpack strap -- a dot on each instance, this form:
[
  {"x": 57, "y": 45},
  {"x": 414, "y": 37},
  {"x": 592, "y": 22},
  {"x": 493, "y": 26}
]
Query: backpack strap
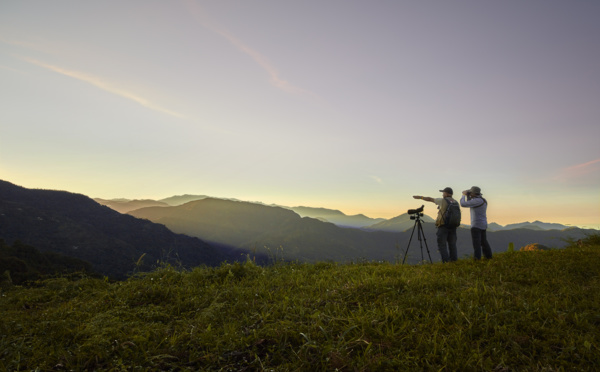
[
  {"x": 448, "y": 203},
  {"x": 484, "y": 202}
]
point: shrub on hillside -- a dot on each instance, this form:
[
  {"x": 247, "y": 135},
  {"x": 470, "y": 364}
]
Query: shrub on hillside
[
  {"x": 534, "y": 247},
  {"x": 21, "y": 263},
  {"x": 592, "y": 239}
]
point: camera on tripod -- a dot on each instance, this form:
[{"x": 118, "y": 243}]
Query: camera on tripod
[{"x": 415, "y": 213}]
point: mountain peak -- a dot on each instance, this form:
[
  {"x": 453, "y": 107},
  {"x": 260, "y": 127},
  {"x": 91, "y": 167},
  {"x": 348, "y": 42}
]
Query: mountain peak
[
  {"x": 181, "y": 199},
  {"x": 336, "y": 217}
]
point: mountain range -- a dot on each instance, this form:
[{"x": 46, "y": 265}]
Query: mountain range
[
  {"x": 115, "y": 244},
  {"x": 262, "y": 228},
  {"x": 323, "y": 214},
  {"x": 208, "y": 231},
  {"x": 269, "y": 230},
  {"x": 395, "y": 224},
  {"x": 336, "y": 217}
]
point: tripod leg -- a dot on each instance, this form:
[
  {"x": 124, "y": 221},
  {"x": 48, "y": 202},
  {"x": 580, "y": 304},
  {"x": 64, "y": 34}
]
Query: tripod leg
[
  {"x": 420, "y": 241},
  {"x": 411, "y": 236},
  {"x": 424, "y": 239}
]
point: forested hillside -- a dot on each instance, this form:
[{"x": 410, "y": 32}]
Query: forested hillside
[{"x": 115, "y": 244}]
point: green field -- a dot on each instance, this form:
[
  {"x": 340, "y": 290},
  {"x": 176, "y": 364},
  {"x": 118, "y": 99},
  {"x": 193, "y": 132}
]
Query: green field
[{"x": 519, "y": 311}]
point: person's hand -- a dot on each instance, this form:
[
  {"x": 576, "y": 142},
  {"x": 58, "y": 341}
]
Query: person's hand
[
  {"x": 417, "y": 197},
  {"x": 465, "y": 192}
]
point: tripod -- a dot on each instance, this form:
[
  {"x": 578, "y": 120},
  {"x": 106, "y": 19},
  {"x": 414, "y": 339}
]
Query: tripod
[{"x": 420, "y": 235}]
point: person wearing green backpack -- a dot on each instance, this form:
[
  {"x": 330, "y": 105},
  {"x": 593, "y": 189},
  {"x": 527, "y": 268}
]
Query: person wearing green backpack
[{"x": 448, "y": 219}]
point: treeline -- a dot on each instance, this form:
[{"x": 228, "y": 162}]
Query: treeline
[
  {"x": 20, "y": 263},
  {"x": 76, "y": 226}
]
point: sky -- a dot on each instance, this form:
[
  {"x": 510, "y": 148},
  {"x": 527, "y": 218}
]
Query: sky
[{"x": 342, "y": 104}]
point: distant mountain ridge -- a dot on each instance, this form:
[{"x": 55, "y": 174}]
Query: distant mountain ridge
[
  {"x": 399, "y": 223},
  {"x": 326, "y": 215},
  {"x": 337, "y": 217},
  {"x": 270, "y": 229},
  {"x": 209, "y": 217},
  {"x": 113, "y": 243},
  {"x": 124, "y": 206},
  {"x": 116, "y": 244},
  {"x": 535, "y": 224},
  {"x": 182, "y": 199}
]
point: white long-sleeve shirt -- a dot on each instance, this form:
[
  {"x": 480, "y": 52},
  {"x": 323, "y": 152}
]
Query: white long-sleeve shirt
[{"x": 478, "y": 208}]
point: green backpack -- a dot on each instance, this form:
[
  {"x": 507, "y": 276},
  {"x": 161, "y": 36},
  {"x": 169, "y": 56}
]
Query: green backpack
[{"x": 451, "y": 216}]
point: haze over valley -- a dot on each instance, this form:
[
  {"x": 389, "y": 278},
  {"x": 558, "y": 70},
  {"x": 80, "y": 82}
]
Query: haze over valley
[
  {"x": 201, "y": 230},
  {"x": 398, "y": 223}
]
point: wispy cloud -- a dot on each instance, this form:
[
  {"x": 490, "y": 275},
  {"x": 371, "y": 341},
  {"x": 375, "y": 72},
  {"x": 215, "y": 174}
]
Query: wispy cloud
[
  {"x": 376, "y": 179},
  {"x": 274, "y": 77},
  {"x": 584, "y": 166},
  {"x": 104, "y": 85},
  {"x": 263, "y": 62},
  {"x": 587, "y": 173}
]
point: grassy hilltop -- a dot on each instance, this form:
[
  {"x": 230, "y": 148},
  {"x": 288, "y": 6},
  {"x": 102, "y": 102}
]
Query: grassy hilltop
[{"x": 534, "y": 310}]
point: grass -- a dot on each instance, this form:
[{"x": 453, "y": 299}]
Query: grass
[{"x": 519, "y": 311}]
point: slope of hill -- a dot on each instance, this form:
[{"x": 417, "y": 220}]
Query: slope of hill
[
  {"x": 269, "y": 229},
  {"x": 336, "y": 217},
  {"x": 494, "y": 227},
  {"x": 219, "y": 220},
  {"x": 76, "y": 226},
  {"x": 398, "y": 224},
  {"x": 535, "y": 225},
  {"x": 521, "y": 311},
  {"x": 20, "y": 263},
  {"x": 124, "y": 206},
  {"x": 326, "y": 215},
  {"x": 181, "y": 199}
]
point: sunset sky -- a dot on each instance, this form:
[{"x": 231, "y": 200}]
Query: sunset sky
[{"x": 348, "y": 105}]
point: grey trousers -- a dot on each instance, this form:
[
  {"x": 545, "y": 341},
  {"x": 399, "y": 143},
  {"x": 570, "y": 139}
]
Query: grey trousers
[{"x": 446, "y": 240}]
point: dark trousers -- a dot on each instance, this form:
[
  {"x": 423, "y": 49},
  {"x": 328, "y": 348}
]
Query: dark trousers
[
  {"x": 480, "y": 243},
  {"x": 447, "y": 235}
]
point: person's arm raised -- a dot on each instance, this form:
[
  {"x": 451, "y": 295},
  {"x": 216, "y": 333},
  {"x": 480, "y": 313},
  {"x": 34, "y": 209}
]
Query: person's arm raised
[{"x": 426, "y": 198}]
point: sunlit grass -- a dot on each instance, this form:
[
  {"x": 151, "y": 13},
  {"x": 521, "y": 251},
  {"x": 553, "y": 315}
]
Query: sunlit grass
[{"x": 519, "y": 311}]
